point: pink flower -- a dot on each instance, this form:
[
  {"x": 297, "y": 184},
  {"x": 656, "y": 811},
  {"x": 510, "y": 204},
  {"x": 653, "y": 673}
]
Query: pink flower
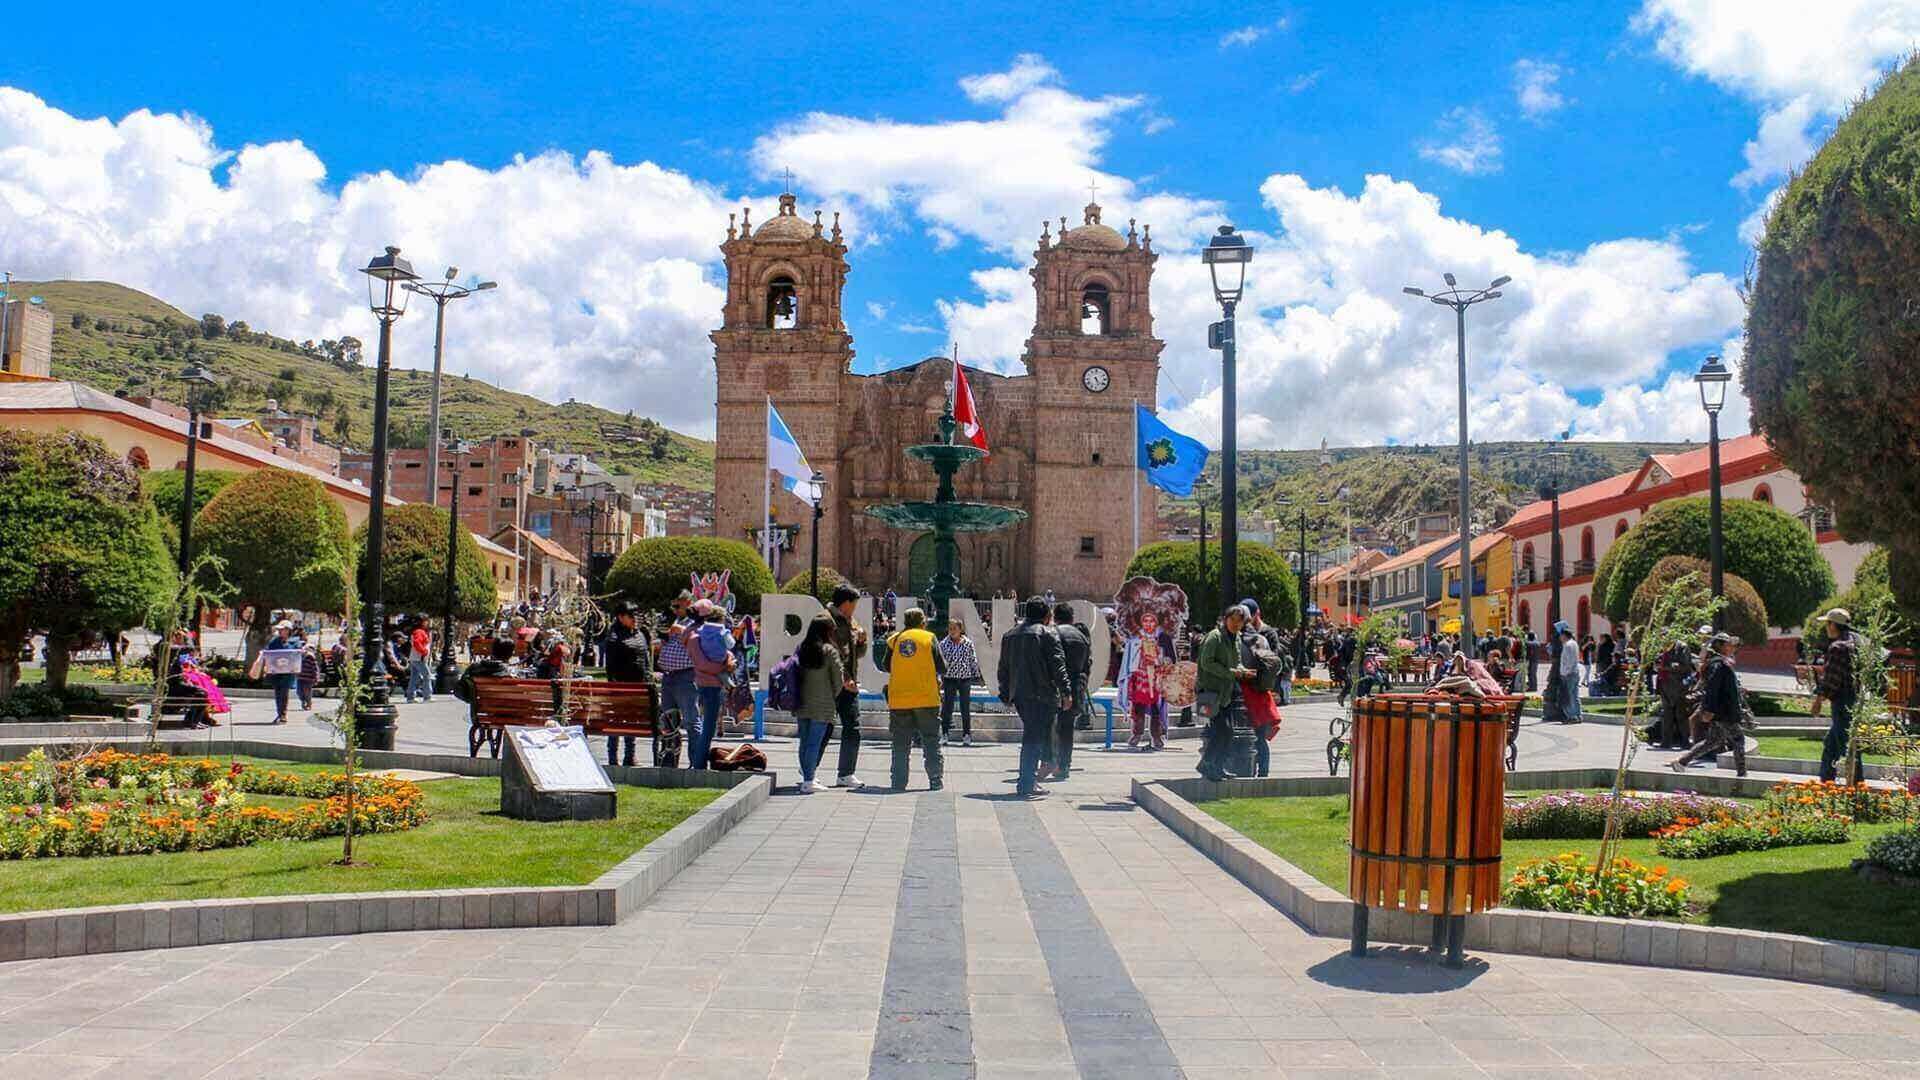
[{"x": 99, "y": 781}]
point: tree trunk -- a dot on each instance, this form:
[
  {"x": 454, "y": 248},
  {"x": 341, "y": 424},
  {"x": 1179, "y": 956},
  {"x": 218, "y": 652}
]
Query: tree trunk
[
  {"x": 9, "y": 666},
  {"x": 57, "y": 661},
  {"x": 259, "y": 628}
]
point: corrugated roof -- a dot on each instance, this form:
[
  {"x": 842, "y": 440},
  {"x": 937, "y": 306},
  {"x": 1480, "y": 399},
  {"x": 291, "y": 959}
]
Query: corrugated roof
[
  {"x": 1414, "y": 555},
  {"x": 545, "y": 546}
]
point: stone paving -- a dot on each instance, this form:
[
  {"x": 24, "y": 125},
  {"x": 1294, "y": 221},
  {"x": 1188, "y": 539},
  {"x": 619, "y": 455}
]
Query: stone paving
[{"x": 957, "y": 933}]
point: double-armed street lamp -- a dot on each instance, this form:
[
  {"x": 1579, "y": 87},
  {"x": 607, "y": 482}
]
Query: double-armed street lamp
[
  {"x": 197, "y": 379},
  {"x": 1460, "y": 300},
  {"x": 1227, "y": 256},
  {"x": 1556, "y": 464},
  {"x": 441, "y": 293},
  {"x": 1712, "y": 379},
  {"x": 1302, "y": 663},
  {"x": 449, "y": 671},
  {"x": 388, "y": 276}
]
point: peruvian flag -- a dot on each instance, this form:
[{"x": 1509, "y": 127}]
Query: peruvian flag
[{"x": 964, "y": 412}]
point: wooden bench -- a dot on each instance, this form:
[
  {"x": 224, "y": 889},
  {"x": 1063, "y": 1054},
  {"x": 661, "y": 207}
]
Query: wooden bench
[{"x": 610, "y": 709}]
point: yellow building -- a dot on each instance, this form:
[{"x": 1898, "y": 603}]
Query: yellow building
[
  {"x": 152, "y": 439},
  {"x": 1492, "y": 586},
  {"x": 504, "y": 565},
  {"x": 1341, "y": 592}
]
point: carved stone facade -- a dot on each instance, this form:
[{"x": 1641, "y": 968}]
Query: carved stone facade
[{"x": 1061, "y": 434}]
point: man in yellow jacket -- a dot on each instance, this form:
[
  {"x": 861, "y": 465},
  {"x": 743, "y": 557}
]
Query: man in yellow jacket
[{"x": 914, "y": 669}]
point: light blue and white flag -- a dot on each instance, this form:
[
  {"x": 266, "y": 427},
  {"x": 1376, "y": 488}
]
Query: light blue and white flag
[{"x": 784, "y": 457}]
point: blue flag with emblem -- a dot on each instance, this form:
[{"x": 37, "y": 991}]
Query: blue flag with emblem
[{"x": 1172, "y": 461}]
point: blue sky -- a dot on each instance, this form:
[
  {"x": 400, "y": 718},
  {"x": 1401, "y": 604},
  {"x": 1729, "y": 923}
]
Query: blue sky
[{"x": 1611, "y": 157}]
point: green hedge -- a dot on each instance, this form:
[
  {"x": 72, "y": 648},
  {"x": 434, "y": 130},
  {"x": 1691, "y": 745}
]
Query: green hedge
[
  {"x": 829, "y": 579},
  {"x": 414, "y": 565},
  {"x": 652, "y": 572},
  {"x": 1762, "y": 544},
  {"x": 1263, "y": 575},
  {"x": 1745, "y": 616}
]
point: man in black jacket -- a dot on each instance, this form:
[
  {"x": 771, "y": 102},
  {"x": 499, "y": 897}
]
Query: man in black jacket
[
  {"x": 1839, "y": 686},
  {"x": 1033, "y": 679},
  {"x": 1720, "y": 699},
  {"x": 629, "y": 655},
  {"x": 1076, "y": 647}
]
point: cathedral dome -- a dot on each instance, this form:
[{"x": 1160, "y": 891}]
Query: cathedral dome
[
  {"x": 1094, "y": 236},
  {"x": 786, "y": 225}
]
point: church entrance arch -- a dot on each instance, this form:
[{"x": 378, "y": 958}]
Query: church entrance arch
[{"x": 920, "y": 566}]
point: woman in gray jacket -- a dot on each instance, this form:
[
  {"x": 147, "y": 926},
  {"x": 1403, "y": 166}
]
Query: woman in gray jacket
[{"x": 822, "y": 678}]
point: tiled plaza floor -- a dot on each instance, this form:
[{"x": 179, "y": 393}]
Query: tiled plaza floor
[{"x": 957, "y": 933}]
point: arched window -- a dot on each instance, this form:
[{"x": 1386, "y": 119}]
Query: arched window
[
  {"x": 1586, "y": 546},
  {"x": 1095, "y": 306},
  {"x": 783, "y": 304},
  {"x": 1764, "y": 494},
  {"x": 1526, "y": 562},
  {"x": 137, "y": 458},
  {"x": 1526, "y": 615},
  {"x": 1583, "y": 622},
  {"x": 1620, "y": 528}
]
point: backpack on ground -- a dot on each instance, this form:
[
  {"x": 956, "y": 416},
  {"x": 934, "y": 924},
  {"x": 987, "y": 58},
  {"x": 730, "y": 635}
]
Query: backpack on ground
[{"x": 783, "y": 684}]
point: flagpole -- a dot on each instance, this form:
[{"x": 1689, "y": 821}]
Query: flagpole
[
  {"x": 766, "y": 493},
  {"x": 1136, "y": 475}
]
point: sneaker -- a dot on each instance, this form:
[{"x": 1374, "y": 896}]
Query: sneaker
[
  {"x": 1036, "y": 793},
  {"x": 849, "y": 781},
  {"x": 806, "y": 787},
  {"x": 936, "y": 785},
  {"x": 966, "y": 740}
]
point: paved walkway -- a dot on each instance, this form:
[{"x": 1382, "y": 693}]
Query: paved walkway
[{"x": 949, "y": 934}]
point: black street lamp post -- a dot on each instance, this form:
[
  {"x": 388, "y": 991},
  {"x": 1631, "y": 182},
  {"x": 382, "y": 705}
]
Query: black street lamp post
[
  {"x": 449, "y": 671},
  {"x": 819, "y": 482},
  {"x": 441, "y": 293},
  {"x": 387, "y": 278},
  {"x": 1460, "y": 300},
  {"x": 1227, "y": 256},
  {"x": 1555, "y": 462},
  {"x": 197, "y": 378},
  {"x": 1713, "y": 378},
  {"x": 1200, "y": 493},
  {"x": 1302, "y": 662}
]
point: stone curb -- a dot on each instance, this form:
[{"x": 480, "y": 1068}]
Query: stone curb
[
  {"x": 1804, "y": 767},
  {"x": 76, "y": 729},
  {"x": 611, "y": 897},
  {"x": 1325, "y": 912}
]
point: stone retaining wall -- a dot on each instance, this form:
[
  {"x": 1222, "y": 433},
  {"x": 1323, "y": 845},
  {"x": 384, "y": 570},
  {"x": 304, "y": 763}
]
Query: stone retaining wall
[
  {"x": 613, "y": 896},
  {"x": 1326, "y": 912}
]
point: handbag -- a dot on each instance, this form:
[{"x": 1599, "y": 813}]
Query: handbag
[{"x": 1206, "y": 704}]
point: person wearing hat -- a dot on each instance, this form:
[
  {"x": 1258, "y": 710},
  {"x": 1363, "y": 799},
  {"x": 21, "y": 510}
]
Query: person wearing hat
[
  {"x": 1839, "y": 686},
  {"x": 1673, "y": 678},
  {"x": 629, "y": 659},
  {"x": 678, "y": 696},
  {"x": 283, "y": 682},
  {"x": 1720, "y": 700}
]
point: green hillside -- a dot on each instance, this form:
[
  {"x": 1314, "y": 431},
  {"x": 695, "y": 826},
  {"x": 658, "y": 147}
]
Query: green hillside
[
  {"x": 113, "y": 338},
  {"x": 1389, "y": 484}
]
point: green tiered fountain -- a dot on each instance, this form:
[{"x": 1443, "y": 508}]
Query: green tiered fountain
[{"x": 945, "y": 516}]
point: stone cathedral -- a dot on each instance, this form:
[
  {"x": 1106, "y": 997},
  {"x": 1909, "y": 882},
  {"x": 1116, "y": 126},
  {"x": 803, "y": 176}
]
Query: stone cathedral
[{"x": 1061, "y": 434}]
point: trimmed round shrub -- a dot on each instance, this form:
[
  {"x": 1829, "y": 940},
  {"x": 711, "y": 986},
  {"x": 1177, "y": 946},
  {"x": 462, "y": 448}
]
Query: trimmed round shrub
[
  {"x": 1831, "y": 336},
  {"x": 829, "y": 579},
  {"x": 284, "y": 541},
  {"x": 1767, "y": 547},
  {"x": 1745, "y": 617},
  {"x": 413, "y": 567},
  {"x": 1898, "y": 851},
  {"x": 652, "y": 572},
  {"x": 1264, "y": 575}
]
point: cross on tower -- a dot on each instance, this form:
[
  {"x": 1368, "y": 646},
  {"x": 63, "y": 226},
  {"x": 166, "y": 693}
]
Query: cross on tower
[
  {"x": 1093, "y": 191},
  {"x": 789, "y": 175}
]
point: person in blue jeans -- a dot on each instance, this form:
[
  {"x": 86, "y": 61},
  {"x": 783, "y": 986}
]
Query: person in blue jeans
[
  {"x": 677, "y": 692},
  {"x": 283, "y": 685},
  {"x": 822, "y": 678},
  {"x": 711, "y": 648}
]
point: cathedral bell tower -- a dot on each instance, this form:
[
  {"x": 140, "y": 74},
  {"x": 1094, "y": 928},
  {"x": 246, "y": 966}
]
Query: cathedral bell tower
[
  {"x": 781, "y": 337},
  {"x": 1091, "y": 356}
]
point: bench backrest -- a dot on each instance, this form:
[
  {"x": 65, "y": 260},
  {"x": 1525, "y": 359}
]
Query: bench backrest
[{"x": 595, "y": 705}]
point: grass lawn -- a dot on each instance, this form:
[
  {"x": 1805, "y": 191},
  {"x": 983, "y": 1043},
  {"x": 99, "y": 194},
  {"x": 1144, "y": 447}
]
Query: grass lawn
[
  {"x": 1806, "y": 748},
  {"x": 465, "y": 844},
  {"x": 1800, "y": 890},
  {"x": 1764, "y": 704}
]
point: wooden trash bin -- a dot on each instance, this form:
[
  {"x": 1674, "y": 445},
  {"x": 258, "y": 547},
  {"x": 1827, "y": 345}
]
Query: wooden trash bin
[{"x": 1427, "y": 810}]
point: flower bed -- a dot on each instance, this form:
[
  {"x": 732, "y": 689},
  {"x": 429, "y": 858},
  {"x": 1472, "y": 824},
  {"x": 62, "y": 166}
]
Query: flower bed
[
  {"x": 1579, "y": 815},
  {"x": 1568, "y": 882},
  {"x": 110, "y": 803},
  {"x": 1897, "y": 851},
  {"x": 1867, "y": 805},
  {"x": 1693, "y": 839}
]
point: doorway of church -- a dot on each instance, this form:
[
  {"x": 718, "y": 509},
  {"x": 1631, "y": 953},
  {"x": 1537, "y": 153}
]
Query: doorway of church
[{"x": 920, "y": 567}]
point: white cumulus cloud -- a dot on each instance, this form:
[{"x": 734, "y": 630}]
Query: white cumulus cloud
[
  {"x": 1467, "y": 142},
  {"x": 1534, "y": 87}
]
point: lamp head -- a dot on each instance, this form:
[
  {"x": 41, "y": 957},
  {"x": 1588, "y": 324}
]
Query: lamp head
[
  {"x": 387, "y": 278},
  {"x": 1411, "y": 291},
  {"x": 1712, "y": 379},
  {"x": 1499, "y": 281},
  {"x": 1227, "y": 256},
  {"x": 1451, "y": 283}
]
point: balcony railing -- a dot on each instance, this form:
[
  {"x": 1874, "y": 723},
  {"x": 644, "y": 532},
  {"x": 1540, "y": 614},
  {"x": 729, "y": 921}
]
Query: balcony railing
[{"x": 1580, "y": 568}]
